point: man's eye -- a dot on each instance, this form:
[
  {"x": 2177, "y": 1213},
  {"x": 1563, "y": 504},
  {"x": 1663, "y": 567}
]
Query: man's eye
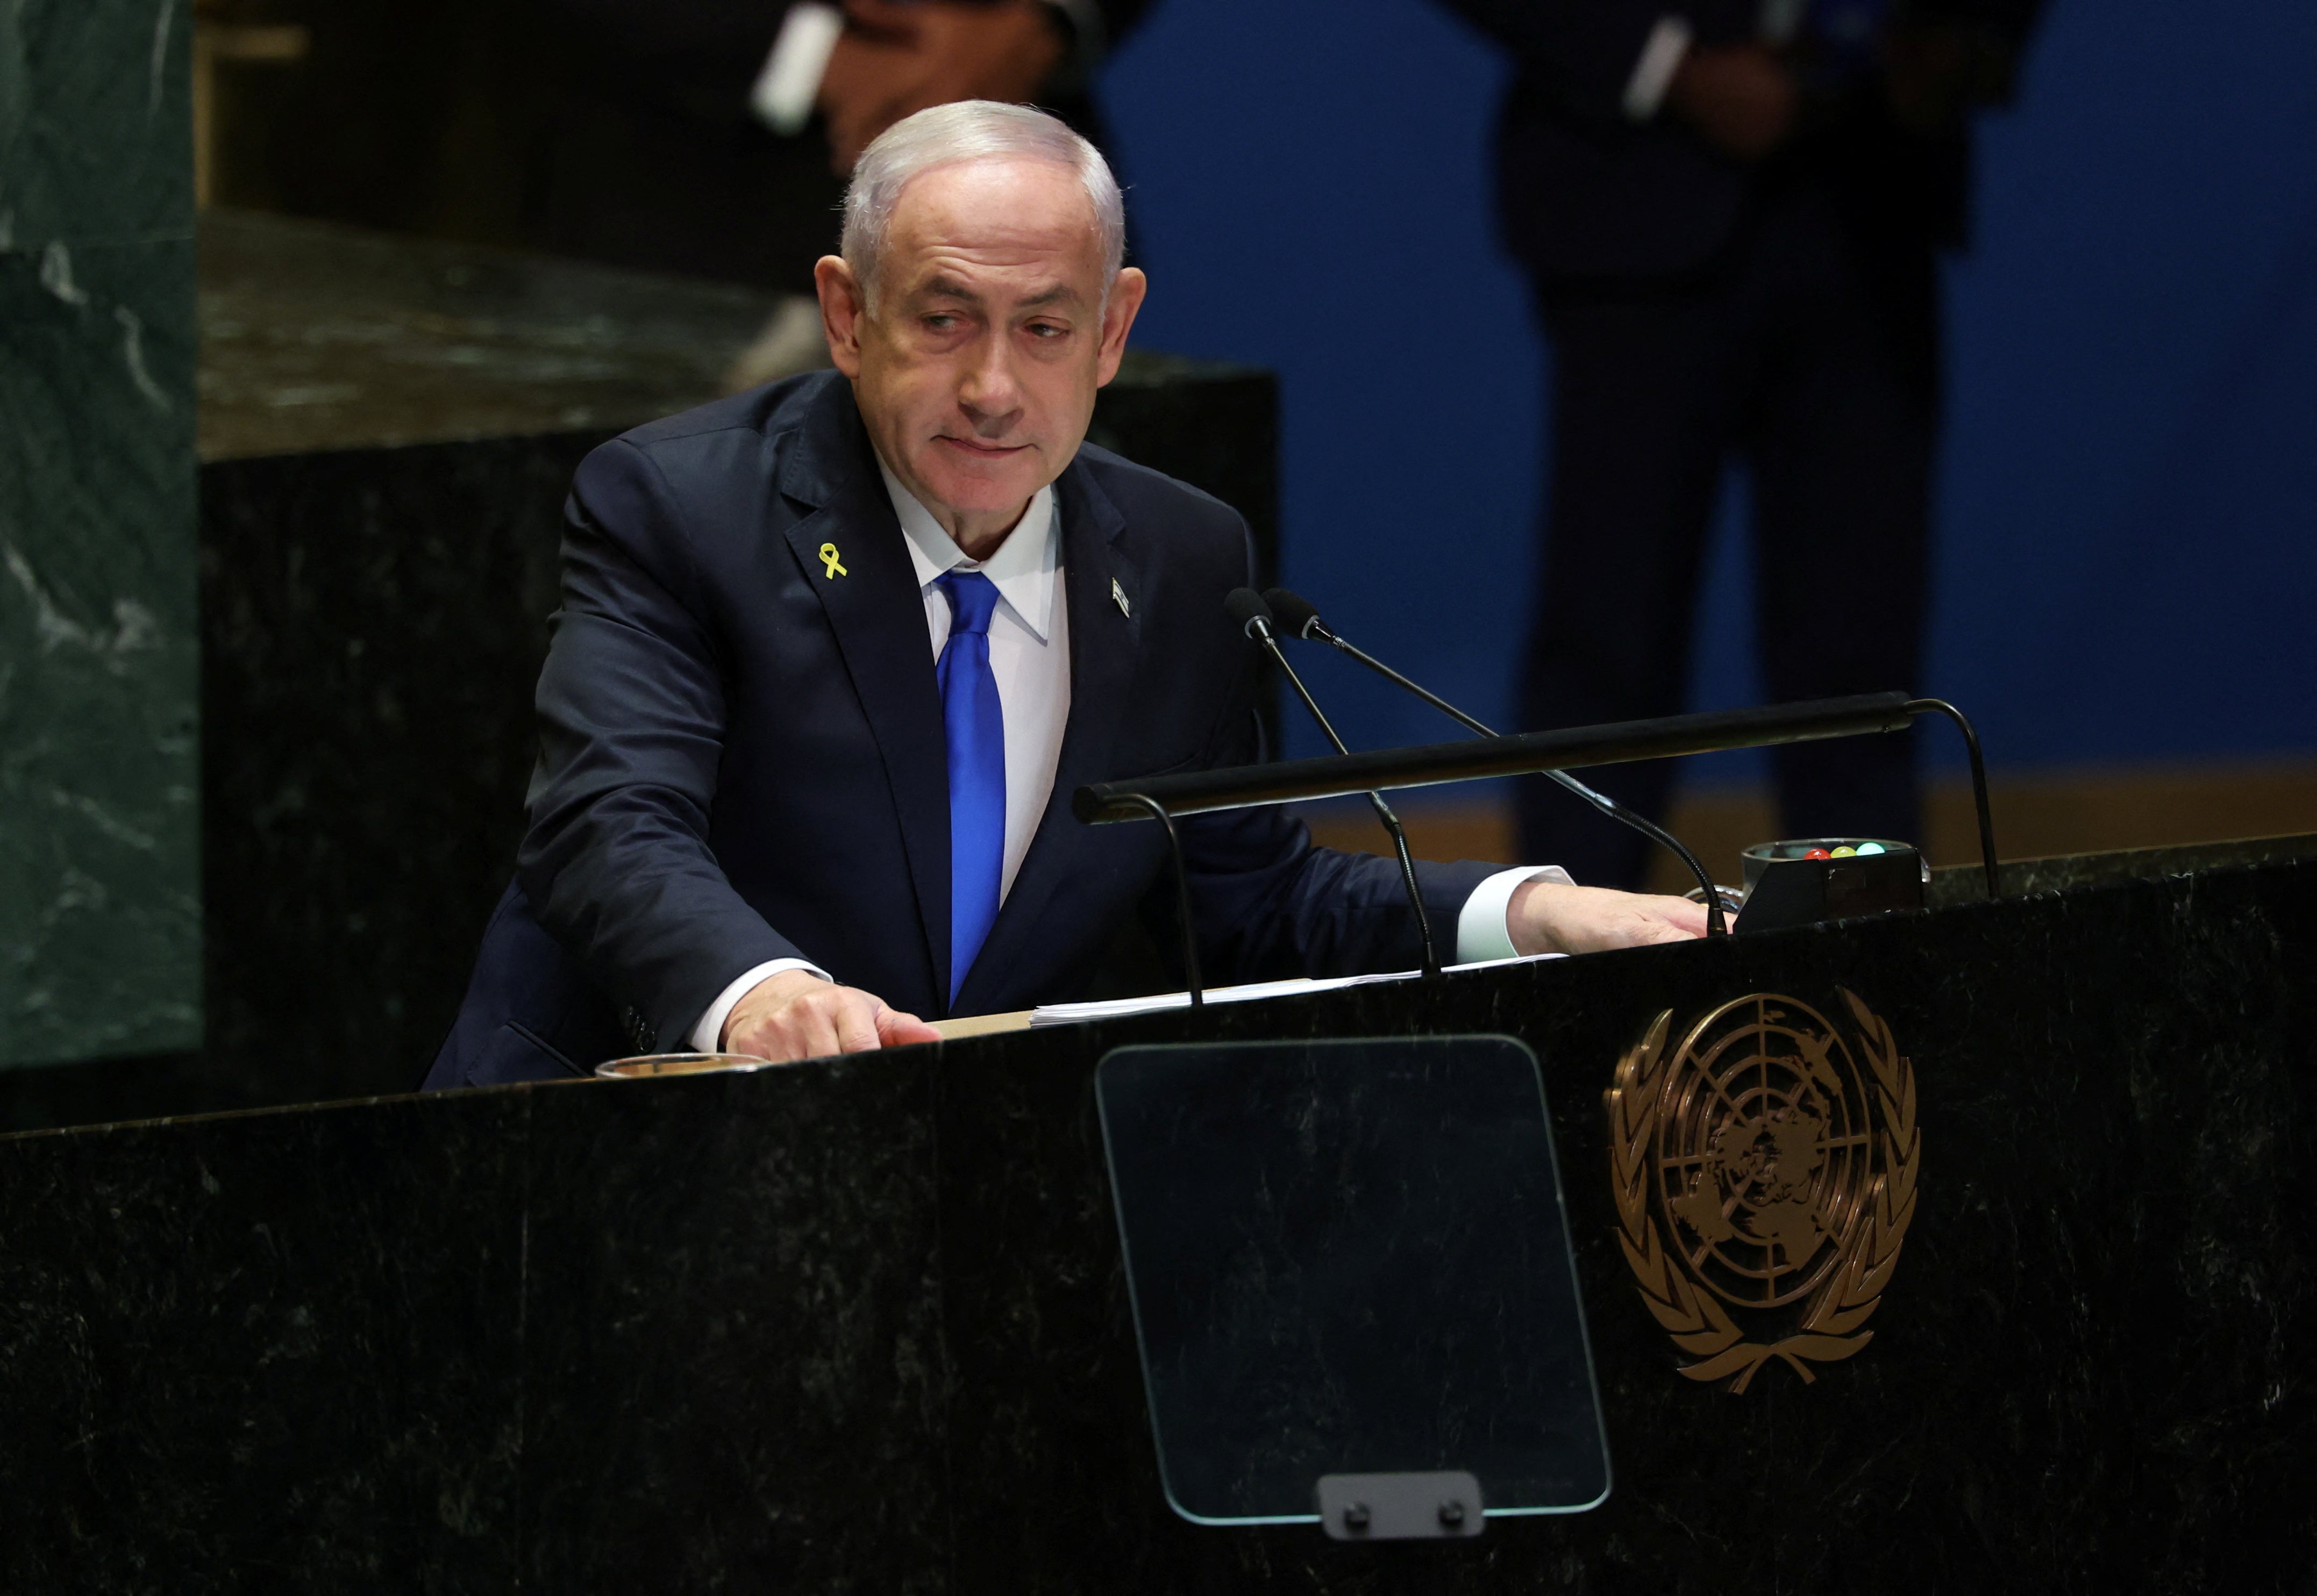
[
  {"x": 1046, "y": 329},
  {"x": 941, "y": 323}
]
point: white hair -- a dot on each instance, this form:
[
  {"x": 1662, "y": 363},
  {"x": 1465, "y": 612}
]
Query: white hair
[{"x": 971, "y": 130}]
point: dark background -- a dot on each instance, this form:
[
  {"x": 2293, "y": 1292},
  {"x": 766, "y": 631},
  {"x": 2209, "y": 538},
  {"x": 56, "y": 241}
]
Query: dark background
[{"x": 2129, "y": 486}]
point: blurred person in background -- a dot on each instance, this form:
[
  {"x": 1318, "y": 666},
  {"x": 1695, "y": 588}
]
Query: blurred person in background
[
  {"x": 1732, "y": 212},
  {"x": 683, "y": 143}
]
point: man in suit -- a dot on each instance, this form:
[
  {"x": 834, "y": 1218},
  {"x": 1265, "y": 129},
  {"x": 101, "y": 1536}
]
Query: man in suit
[
  {"x": 679, "y": 143},
  {"x": 1732, "y": 212},
  {"x": 833, "y": 654}
]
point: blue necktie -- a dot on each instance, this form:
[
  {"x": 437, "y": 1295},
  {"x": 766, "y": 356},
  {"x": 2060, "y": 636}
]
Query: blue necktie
[{"x": 975, "y": 725}]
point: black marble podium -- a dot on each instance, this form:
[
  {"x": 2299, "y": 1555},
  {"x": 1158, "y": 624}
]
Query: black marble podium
[{"x": 860, "y": 1325}]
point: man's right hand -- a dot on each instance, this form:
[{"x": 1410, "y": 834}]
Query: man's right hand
[
  {"x": 796, "y": 1015},
  {"x": 1741, "y": 96}
]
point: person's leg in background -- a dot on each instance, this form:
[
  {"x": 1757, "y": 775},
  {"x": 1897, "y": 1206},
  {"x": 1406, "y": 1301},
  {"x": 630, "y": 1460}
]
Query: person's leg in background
[
  {"x": 1842, "y": 438},
  {"x": 1639, "y": 422}
]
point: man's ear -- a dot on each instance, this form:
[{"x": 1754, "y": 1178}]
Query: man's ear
[
  {"x": 842, "y": 308},
  {"x": 1126, "y": 292}
]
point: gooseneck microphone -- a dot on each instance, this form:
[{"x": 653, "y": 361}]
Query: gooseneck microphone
[
  {"x": 1302, "y": 620},
  {"x": 1245, "y": 607}
]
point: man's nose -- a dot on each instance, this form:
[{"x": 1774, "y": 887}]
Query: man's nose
[{"x": 991, "y": 392}]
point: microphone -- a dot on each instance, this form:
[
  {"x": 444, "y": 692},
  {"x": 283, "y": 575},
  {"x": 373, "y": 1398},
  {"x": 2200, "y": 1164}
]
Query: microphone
[
  {"x": 1302, "y": 619},
  {"x": 1246, "y": 606}
]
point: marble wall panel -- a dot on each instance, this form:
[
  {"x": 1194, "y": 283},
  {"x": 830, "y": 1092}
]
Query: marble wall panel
[
  {"x": 100, "y": 912},
  {"x": 100, "y": 917},
  {"x": 95, "y": 142}
]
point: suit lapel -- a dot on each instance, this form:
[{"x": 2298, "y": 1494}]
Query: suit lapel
[
  {"x": 1104, "y": 653},
  {"x": 877, "y": 612}
]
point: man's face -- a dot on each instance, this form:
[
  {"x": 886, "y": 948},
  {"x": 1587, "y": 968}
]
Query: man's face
[{"x": 977, "y": 368}]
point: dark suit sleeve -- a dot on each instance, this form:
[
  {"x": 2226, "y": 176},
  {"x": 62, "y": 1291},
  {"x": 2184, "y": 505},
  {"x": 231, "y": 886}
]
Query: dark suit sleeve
[
  {"x": 616, "y": 863},
  {"x": 1270, "y": 905},
  {"x": 1582, "y": 52}
]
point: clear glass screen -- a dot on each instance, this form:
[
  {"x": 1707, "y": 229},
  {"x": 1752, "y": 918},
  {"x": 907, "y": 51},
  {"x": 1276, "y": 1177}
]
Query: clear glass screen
[{"x": 1350, "y": 1257}]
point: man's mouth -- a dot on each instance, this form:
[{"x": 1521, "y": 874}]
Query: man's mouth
[{"x": 978, "y": 450}]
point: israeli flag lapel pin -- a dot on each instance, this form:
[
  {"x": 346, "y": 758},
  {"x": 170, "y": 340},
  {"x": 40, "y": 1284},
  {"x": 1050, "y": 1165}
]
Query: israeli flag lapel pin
[{"x": 1118, "y": 594}]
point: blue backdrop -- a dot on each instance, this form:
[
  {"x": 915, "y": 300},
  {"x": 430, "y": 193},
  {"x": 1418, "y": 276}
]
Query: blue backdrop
[{"x": 2127, "y": 508}]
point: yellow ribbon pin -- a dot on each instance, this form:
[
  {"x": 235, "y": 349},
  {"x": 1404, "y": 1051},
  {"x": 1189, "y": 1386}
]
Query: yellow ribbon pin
[{"x": 828, "y": 559}]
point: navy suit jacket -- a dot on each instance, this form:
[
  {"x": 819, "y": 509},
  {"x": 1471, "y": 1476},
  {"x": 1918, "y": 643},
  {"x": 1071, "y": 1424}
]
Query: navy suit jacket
[{"x": 742, "y": 754}]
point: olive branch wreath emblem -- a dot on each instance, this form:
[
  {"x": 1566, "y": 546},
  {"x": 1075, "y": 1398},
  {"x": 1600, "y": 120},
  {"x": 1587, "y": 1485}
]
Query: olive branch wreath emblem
[{"x": 1832, "y": 1324}]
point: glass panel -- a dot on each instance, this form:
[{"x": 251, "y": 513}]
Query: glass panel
[{"x": 1350, "y": 1257}]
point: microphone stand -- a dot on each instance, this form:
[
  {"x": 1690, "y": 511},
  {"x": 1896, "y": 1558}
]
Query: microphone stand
[
  {"x": 1314, "y": 630},
  {"x": 1191, "y": 981},
  {"x": 1255, "y": 618}
]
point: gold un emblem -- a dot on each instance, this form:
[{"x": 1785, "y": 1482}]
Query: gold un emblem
[{"x": 1764, "y": 1182}]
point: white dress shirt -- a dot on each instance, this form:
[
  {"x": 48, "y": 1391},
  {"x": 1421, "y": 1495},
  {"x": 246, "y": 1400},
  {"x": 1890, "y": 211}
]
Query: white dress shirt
[{"x": 1030, "y": 657}]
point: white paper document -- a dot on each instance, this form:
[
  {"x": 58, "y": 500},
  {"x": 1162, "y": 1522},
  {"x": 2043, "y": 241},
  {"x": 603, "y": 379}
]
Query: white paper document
[{"x": 1117, "y": 1008}]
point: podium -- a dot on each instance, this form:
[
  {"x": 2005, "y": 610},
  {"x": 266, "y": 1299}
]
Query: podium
[{"x": 863, "y": 1324}]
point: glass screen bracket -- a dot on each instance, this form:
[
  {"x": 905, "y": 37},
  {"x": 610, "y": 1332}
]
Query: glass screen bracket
[{"x": 1444, "y": 1505}]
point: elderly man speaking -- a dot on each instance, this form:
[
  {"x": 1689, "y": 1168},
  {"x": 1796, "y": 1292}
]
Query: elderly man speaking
[{"x": 833, "y": 654}]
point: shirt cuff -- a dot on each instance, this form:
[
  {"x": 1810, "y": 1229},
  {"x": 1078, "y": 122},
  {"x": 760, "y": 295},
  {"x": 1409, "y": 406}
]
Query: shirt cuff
[
  {"x": 785, "y": 91},
  {"x": 1661, "y": 56},
  {"x": 708, "y": 1036},
  {"x": 1484, "y": 929}
]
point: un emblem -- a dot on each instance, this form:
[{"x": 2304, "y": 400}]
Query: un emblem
[{"x": 1763, "y": 1181}]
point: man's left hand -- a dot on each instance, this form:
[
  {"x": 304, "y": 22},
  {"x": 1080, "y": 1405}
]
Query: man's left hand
[
  {"x": 1547, "y": 917},
  {"x": 895, "y": 59}
]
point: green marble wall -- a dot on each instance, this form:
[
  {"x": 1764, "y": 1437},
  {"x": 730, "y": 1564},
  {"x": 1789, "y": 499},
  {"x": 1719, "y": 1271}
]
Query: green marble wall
[{"x": 100, "y": 890}]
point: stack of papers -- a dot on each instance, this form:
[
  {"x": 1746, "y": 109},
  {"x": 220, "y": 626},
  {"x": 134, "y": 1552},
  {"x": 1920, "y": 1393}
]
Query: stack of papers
[{"x": 1120, "y": 1007}]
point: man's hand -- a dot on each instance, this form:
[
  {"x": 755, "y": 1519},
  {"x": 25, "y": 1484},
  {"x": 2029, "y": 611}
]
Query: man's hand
[
  {"x": 1547, "y": 917},
  {"x": 796, "y": 1015},
  {"x": 895, "y": 59},
  {"x": 1741, "y": 97}
]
